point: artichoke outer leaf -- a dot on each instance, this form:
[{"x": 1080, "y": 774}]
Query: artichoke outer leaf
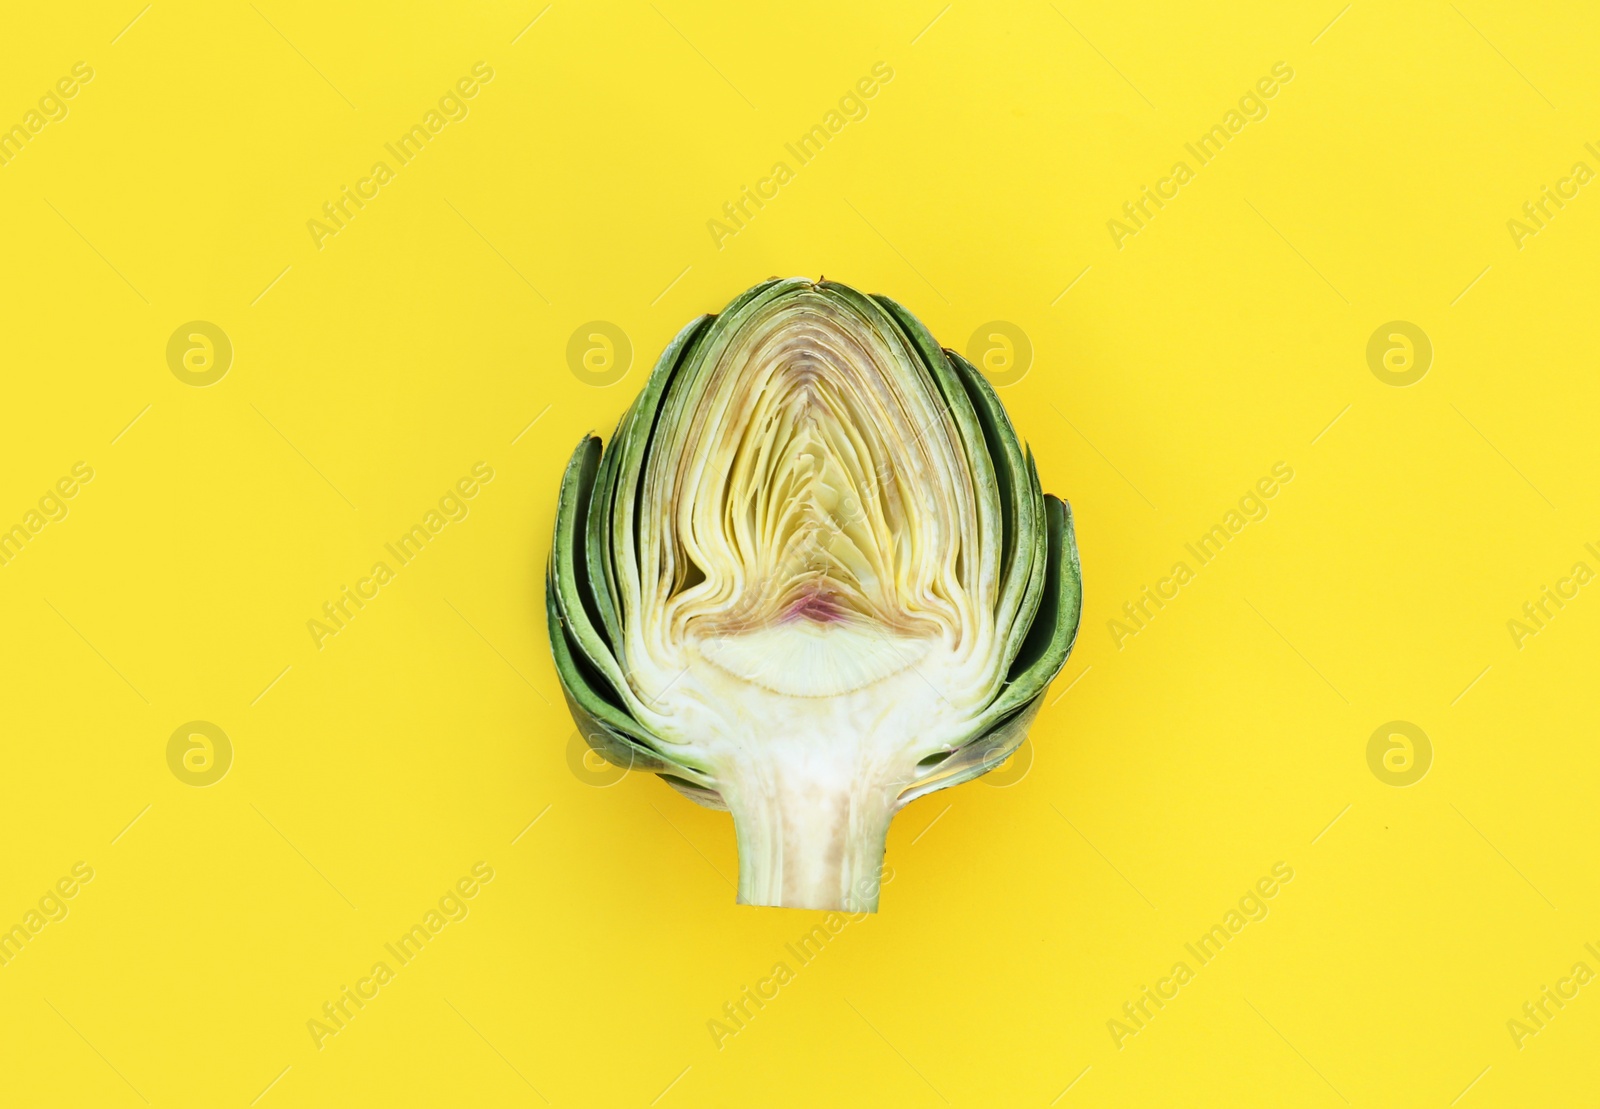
[
  {"x": 606, "y": 728},
  {"x": 573, "y": 638},
  {"x": 977, "y": 758},
  {"x": 632, "y": 428},
  {"x": 1025, "y": 541},
  {"x": 1055, "y": 626}
]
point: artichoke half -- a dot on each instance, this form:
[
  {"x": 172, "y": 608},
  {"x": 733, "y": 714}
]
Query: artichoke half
[{"x": 812, "y": 578}]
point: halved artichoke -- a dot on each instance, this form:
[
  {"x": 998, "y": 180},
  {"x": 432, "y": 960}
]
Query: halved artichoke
[{"x": 813, "y": 578}]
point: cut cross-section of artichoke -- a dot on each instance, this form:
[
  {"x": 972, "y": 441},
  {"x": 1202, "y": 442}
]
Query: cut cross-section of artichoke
[{"x": 812, "y": 577}]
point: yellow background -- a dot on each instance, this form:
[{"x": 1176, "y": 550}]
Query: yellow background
[{"x": 427, "y": 735}]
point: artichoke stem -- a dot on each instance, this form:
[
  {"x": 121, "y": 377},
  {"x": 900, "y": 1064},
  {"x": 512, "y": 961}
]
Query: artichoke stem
[{"x": 809, "y": 836}]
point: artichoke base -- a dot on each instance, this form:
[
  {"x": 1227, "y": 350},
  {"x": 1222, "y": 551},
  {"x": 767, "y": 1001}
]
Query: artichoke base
[{"x": 811, "y": 833}]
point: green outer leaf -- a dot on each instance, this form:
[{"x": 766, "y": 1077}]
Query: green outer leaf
[
  {"x": 1005, "y": 725},
  {"x": 1055, "y": 626},
  {"x": 602, "y": 725},
  {"x": 605, "y": 717},
  {"x": 978, "y": 756},
  {"x": 1026, "y": 545},
  {"x": 601, "y": 554},
  {"x": 566, "y": 568}
]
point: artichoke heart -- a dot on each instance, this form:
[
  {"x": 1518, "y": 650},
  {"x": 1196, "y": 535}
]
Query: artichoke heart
[{"x": 811, "y": 578}]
